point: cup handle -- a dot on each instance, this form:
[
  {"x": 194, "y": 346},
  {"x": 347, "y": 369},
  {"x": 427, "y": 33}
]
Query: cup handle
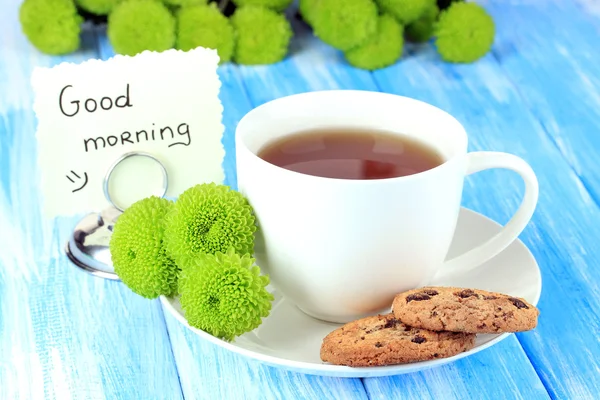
[{"x": 479, "y": 161}]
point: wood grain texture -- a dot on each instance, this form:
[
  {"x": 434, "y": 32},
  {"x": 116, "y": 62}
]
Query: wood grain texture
[
  {"x": 557, "y": 73},
  {"x": 66, "y": 335},
  {"x": 318, "y": 67},
  {"x": 565, "y": 227},
  {"x": 63, "y": 333},
  {"x": 210, "y": 372},
  {"x": 474, "y": 377}
]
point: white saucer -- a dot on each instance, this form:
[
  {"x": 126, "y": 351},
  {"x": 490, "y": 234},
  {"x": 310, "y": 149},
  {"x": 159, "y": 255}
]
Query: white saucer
[{"x": 291, "y": 340}]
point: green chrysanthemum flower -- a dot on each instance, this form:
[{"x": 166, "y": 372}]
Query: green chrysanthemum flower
[
  {"x": 262, "y": 35},
  {"x": 138, "y": 25},
  {"x": 277, "y": 5},
  {"x": 184, "y": 3},
  {"x": 138, "y": 252},
  {"x": 405, "y": 11},
  {"x": 224, "y": 294},
  {"x": 422, "y": 29},
  {"x": 98, "y": 7},
  {"x": 52, "y": 26},
  {"x": 465, "y": 32},
  {"x": 307, "y": 9},
  {"x": 344, "y": 24},
  {"x": 207, "y": 219},
  {"x": 205, "y": 26},
  {"x": 382, "y": 49}
]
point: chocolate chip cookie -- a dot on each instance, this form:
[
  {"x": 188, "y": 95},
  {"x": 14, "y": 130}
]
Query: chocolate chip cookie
[
  {"x": 383, "y": 340},
  {"x": 464, "y": 310}
]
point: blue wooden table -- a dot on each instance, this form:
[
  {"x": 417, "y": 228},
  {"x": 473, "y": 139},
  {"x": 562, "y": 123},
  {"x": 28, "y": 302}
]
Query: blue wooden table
[{"x": 67, "y": 335}]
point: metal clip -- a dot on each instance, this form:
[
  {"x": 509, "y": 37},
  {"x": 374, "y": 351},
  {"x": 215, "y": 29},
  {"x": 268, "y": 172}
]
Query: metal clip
[{"x": 88, "y": 246}]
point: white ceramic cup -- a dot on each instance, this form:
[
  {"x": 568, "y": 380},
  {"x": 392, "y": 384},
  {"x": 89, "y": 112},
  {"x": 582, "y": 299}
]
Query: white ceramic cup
[{"x": 341, "y": 249}]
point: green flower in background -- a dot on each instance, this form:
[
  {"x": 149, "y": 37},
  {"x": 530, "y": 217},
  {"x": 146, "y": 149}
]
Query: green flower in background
[
  {"x": 307, "y": 9},
  {"x": 205, "y": 26},
  {"x": 262, "y": 35},
  {"x": 138, "y": 252},
  {"x": 224, "y": 294},
  {"x": 277, "y": 5},
  {"x": 382, "y": 49},
  {"x": 98, "y": 7},
  {"x": 184, "y": 3},
  {"x": 138, "y": 25},
  {"x": 52, "y": 26},
  {"x": 207, "y": 219},
  {"x": 257, "y": 32},
  {"x": 405, "y": 11},
  {"x": 344, "y": 24},
  {"x": 465, "y": 32},
  {"x": 422, "y": 29}
]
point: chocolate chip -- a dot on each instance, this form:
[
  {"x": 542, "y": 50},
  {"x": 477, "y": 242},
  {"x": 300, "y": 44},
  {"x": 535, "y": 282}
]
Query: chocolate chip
[
  {"x": 417, "y": 297},
  {"x": 378, "y": 345},
  {"x": 466, "y": 293},
  {"x": 517, "y": 303},
  {"x": 375, "y": 329},
  {"x": 435, "y": 355},
  {"x": 481, "y": 326},
  {"x": 431, "y": 292},
  {"x": 362, "y": 338},
  {"x": 418, "y": 339},
  {"x": 490, "y": 297},
  {"x": 434, "y": 313},
  {"x": 507, "y": 315},
  {"x": 391, "y": 323}
]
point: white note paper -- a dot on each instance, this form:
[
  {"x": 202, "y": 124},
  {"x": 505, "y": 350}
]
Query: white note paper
[{"x": 165, "y": 104}]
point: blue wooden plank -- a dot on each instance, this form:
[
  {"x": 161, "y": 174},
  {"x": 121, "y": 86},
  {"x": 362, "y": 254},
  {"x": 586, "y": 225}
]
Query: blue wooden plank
[
  {"x": 557, "y": 73},
  {"x": 472, "y": 377},
  {"x": 565, "y": 227},
  {"x": 63, "y": 333},
  {"x": 315, "y": 66},
  {"x": 208, "y": 372},
  {"x": 6, "y": 137},
  {"x": 537, "y": 234}
]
